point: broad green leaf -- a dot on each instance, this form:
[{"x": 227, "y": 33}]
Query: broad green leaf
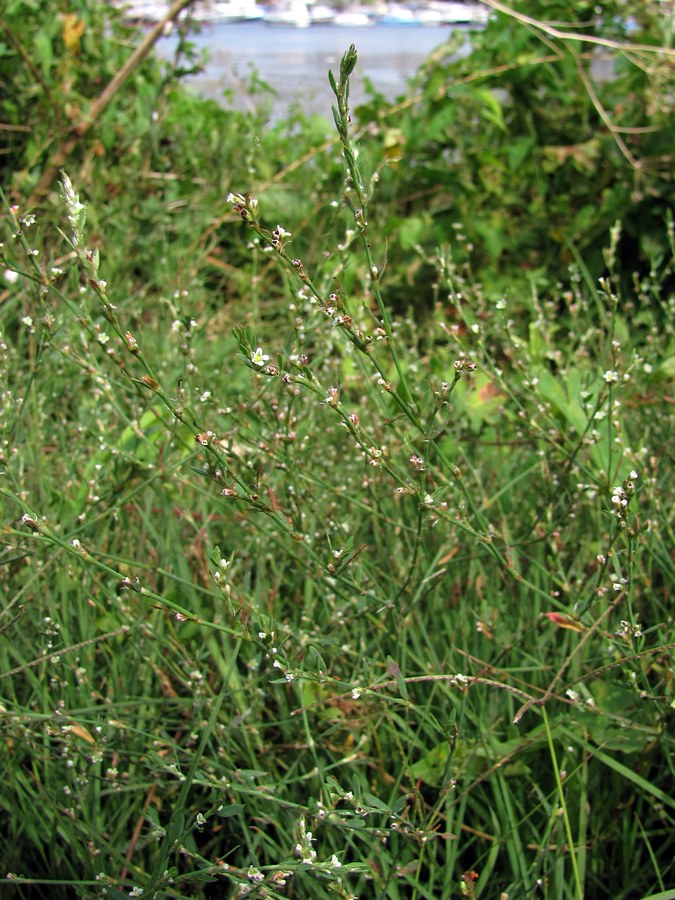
[
  {"x": 561, "y": 396},
  {"x": 42, "y": 52},
  {"x": 232, "y": 809},
  {"x": 431, "y": 767}
]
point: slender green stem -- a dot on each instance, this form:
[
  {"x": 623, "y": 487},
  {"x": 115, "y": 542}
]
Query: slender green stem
[
  {"x": 177, "y": 827},
  {"x": 563, "y": 806}
]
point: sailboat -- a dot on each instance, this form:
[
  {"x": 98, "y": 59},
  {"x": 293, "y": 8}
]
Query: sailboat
[{"x": 295, "y": 14}]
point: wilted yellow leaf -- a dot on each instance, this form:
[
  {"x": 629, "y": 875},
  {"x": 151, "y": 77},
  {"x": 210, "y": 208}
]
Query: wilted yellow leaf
[
  {"x": 81, "y": 732},
  {"x": 564, "y": 621},
  {"x": 73, "y": 29}
]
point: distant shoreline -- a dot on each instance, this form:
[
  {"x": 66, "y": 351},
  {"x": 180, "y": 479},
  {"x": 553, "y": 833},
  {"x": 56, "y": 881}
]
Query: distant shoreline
[{"x": 306, "y": 13}]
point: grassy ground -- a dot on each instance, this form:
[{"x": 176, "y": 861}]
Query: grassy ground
[{"x": 341, "y": 604}]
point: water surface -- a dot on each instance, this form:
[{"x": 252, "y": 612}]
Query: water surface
[{"x": 295, "y": 61}]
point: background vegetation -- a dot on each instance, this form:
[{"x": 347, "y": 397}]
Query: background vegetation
[{"x": 337, "y": 530}]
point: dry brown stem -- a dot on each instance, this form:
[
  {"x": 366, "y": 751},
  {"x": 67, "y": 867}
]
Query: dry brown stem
[{"x": 99, "y": 105}]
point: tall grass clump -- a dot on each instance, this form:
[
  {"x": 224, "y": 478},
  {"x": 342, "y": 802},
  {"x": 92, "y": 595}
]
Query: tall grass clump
[{"x": 348, "y": 603}]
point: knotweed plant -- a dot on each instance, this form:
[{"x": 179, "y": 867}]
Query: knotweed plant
[{"x": 376, "y": 606}]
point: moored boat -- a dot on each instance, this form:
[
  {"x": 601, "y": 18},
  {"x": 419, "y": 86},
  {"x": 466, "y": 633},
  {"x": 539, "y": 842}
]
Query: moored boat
[
  {"x": 320, "y": 14},
  {"x": 454, "y": 12},
  {"x": 396, "y": 14},
  {"x": 295, "y": 15},
  {"x": 225, "y": 11},
  {"x": 353, "y": 18},
  {"x": 145, "y": 12}
]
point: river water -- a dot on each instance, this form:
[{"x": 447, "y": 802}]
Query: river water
[{"x": 295, "y": 61}]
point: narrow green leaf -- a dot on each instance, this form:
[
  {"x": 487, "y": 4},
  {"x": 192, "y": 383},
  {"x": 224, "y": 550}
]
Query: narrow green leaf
[{"x": 622, "y": 770}]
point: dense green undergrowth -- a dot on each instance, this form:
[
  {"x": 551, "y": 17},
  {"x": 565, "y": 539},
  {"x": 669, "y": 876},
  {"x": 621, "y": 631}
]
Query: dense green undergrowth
[{"x": 337, "y": 522}]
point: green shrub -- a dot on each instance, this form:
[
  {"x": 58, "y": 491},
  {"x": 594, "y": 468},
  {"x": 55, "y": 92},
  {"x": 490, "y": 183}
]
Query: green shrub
[{"x": 537, "y": 142}]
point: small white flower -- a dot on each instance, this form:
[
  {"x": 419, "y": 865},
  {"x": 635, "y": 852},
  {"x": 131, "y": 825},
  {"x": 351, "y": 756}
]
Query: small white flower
[
  {"x": 258, "y": 358},
  {"x": 255, "y": 874},
  {"x": 11, "y": 277}
]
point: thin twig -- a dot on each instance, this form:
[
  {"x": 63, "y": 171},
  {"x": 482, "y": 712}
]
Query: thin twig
[
  {"x": 97, "y": 108},
  {"x": 470, "y": 679},
  {"x": 547, "y": 28},
  {"x": 587, "y": 635},
  {"x": 604, "y": 115},
  {"x": 59, "y": 653},
  {"x": 25, "y": 56}
]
